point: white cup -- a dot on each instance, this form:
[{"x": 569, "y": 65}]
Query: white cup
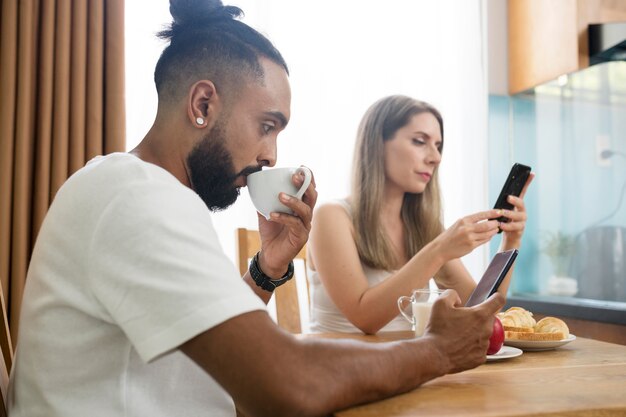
[
  {"x": 421, "y": 305},
  {"x": 264, "y": 187}
]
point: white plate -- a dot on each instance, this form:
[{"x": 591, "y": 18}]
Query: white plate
[
  {"x": 505, "y": 353},
  {"x": 532, "y": 345}
]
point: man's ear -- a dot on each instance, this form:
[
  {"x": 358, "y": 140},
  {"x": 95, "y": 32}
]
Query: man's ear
[{"x": 202, "y": 103}]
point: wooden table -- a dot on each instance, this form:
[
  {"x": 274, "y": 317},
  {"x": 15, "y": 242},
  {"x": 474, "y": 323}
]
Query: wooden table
[{"x": 583, "y": 378}]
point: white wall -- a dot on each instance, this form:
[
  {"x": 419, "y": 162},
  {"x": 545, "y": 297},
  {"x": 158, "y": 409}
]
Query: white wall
[{"x": 344, "y": 55}]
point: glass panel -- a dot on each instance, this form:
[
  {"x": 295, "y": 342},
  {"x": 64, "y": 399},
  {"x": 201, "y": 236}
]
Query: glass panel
[{"x": 572, "y": 132}]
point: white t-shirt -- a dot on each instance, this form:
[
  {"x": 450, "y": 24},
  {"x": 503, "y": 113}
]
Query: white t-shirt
[{"x": 126, "y": 268}]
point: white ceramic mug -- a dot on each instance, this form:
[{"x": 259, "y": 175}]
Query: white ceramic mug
[
  {"x": 264, "y": 187},
  {"x": 421, "y": 304}
]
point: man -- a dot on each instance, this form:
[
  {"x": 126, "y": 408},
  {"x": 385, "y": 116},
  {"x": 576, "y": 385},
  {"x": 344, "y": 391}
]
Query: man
[{"x": 132, "y": 308}]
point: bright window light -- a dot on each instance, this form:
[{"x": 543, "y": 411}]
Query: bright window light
[{"x": 343, "y": 56}]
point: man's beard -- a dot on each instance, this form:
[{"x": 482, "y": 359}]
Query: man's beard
[{"x": 212, "y": 171}]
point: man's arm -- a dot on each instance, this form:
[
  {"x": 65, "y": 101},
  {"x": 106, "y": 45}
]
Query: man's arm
[
  {"x": 260, "y": 292},
  {"x": 269, "y": 372},
  {"x": 272, "y": 273}
]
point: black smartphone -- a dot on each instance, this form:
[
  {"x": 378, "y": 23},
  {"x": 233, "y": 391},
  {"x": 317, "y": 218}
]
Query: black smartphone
[
  {"x": 512, "y": 186},
  {"x": 493, "y": 276}
]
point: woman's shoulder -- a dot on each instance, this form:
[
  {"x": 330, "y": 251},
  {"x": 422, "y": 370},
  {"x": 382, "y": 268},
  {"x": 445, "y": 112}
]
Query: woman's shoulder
[{"x": 333, "y": 208}]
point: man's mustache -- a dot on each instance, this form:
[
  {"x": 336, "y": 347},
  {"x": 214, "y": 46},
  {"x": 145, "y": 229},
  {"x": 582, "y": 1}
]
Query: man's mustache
[{"x": 249, "y": 170}]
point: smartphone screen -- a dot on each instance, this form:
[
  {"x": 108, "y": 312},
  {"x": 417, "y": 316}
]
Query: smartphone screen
[
  {"x": 512, "y": 186},
  {"x": 493, "y": 276}
]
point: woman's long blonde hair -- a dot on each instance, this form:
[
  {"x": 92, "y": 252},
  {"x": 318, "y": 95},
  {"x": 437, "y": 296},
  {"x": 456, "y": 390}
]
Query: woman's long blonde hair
[{"x": 421, "y": 213}]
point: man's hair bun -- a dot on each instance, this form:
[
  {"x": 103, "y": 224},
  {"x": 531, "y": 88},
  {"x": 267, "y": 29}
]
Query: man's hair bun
[
  {"x": 208, "y": 41},
  {"x": 188, "y": 14}
]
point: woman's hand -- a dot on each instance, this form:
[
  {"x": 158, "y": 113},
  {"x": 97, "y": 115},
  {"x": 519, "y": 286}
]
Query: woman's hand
[
  {"x": 467, "y": 234},
  {"x": 514, "y": 229}
]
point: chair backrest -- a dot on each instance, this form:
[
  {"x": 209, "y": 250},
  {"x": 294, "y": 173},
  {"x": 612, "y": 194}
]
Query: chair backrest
[
  {"x": 6, "y": 358},
  {"x": 286, "y": 296}
]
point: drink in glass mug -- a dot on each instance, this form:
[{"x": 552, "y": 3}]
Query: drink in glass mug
[{"x": 421, "y": 305}]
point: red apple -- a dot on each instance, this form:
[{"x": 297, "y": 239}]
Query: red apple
[{"x": 497, "y": 337}]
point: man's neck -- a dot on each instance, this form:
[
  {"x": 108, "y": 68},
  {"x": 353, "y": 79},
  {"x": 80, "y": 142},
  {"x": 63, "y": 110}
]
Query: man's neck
[{"x": 153, "y": 149}]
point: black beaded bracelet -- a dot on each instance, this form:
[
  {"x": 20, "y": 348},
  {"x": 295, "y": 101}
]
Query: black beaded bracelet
[{"x": 265, "y": 282}]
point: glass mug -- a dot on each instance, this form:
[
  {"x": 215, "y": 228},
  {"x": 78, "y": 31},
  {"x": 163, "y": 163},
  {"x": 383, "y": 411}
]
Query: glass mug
[{"x": 421, "y": 304}]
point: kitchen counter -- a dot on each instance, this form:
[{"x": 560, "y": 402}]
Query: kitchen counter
[{"x": 612, "y": 312}]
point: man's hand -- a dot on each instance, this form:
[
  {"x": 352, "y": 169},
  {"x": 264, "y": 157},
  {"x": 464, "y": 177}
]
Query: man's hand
[
  {"x": 284, "y": 235},
  {"x": 462, "y": 334}
]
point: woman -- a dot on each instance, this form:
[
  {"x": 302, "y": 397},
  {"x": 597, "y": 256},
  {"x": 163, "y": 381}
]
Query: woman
[{"x": 388, "y": 238}]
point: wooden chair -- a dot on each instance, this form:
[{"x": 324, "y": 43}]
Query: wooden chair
[
  {"x": 286, "y": 296},
  {"x": 6, "y": 358}
]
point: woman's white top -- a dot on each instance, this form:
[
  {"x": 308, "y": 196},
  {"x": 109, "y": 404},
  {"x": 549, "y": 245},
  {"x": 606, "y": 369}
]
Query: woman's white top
[{"x": 326, "y": 317}]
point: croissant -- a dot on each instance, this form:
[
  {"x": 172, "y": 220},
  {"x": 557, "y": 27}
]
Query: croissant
[
  {"x": 522, "y": 326},
  {"x": 517, "y": 319},
  {"x": 552, "y": 325}
]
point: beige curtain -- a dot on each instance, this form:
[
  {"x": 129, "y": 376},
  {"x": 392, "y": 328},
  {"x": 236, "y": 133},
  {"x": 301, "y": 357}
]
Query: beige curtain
[{"x": 61, "y": 103}]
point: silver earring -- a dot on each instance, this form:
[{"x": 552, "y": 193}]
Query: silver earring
[{"x": 200, "y": 121}]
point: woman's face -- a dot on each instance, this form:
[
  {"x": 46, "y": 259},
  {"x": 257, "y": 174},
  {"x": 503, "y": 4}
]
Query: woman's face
[{"x": 412, "y": 154}]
